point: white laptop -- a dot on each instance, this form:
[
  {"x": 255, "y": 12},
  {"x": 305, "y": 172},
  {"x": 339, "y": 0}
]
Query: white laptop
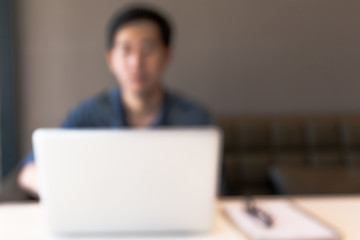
[{"x": 128, "y": 181}]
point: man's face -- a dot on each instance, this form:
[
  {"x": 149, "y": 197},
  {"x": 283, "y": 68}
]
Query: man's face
[{"x": 139, "y": 57}]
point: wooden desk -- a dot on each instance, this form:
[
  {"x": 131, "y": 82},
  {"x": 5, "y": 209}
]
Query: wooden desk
[{"x": 23, "y": 221}]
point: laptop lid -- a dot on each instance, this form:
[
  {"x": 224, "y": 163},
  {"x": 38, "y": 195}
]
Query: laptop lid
[{"x": 148, "y": 180}]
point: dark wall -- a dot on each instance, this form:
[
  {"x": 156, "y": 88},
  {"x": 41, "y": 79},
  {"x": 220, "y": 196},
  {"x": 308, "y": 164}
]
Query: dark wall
[{"x": 7, "y": 94}]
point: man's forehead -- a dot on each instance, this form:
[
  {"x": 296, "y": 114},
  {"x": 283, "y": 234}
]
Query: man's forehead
[{"x": 141, "y": 29}]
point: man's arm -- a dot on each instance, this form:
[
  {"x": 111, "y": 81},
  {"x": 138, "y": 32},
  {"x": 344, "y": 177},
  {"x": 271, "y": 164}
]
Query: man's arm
[
  {"x": 27, "y": 179},
  {"x": 91, "y": 113}
]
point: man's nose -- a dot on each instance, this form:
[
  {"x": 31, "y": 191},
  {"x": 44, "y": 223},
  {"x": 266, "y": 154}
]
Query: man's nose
[{"x": 136, "y": 61}]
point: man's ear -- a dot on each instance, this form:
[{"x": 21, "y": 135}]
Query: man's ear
[
  {"x": 168, "y": 56},
  {"x": 108, "y": 58}
]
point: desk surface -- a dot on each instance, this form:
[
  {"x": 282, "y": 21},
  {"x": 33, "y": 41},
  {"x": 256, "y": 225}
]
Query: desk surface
[{"x": 23, "y": 220}]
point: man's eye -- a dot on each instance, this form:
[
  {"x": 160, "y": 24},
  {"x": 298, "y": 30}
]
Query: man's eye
[
  {"x": 148, "y": 49},
  {"x": 125, "y": 50}
]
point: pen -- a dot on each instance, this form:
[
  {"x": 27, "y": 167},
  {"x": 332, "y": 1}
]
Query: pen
[{"x": 258, "y": 213}]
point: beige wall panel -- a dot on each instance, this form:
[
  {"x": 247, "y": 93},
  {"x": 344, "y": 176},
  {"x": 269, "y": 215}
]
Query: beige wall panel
[{"x": 235, "y": 57}]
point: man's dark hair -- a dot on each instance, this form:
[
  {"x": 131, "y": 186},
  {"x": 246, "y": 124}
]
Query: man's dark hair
[{"x": 138, "y": 13}]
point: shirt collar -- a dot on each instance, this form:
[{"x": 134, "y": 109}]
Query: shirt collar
[{"x": 120, "y": 115}]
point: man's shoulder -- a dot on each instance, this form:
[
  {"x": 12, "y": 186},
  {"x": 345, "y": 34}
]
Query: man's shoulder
[
  {"x": 101, "y": 100},
  {"x": 95, "y": 111},
  {"x": 184, "y": 111}
]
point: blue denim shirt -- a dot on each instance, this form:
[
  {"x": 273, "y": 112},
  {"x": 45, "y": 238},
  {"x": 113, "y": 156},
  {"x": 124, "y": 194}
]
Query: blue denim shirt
[{"x": 107, "y": 111}]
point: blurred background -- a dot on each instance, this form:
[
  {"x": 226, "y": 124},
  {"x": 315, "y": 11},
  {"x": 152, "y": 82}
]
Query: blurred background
[{"x": 281, "y": 77}]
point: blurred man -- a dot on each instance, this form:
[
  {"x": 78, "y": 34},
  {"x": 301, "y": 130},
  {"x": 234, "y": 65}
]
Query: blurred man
[{"x": 138, "y": 52}]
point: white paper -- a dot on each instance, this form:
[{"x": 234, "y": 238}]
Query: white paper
[{"x": 290, "y": 222}]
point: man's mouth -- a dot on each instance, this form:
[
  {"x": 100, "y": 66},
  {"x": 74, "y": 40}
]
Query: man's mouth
[{"x": 139, "y": 79}]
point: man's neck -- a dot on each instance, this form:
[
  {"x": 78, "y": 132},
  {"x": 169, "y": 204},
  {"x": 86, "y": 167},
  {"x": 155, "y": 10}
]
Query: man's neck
[{"x": 142, "y": 109}]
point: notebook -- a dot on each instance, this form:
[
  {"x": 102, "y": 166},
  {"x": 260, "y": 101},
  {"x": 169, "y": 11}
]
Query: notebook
[{"x": 290, "y": 222}]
